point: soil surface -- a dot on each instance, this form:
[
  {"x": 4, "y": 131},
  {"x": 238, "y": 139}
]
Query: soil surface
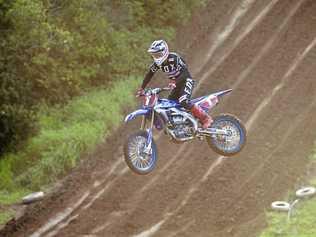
[{"x": 264, "y": 50}]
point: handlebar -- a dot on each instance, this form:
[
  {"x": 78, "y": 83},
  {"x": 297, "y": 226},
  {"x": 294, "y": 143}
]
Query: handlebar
[
  {"x": 150, "y": 91},
  {"x": 161, "y": 89}
]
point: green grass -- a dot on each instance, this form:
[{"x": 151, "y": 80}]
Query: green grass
[
  {"x": 5, "y": 216},
  {"x": 302, "y": 223},
  {"x": 8, "y": 198},
  {"x": 303, "y": 220},
  {"x": 65, "y": 134}
]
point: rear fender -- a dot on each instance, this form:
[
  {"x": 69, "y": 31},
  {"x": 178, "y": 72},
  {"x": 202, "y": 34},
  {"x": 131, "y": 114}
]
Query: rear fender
[
  {"x": 208, "y": 102},
  {"x": 222, "y": 93},
  {"x": 136, "y": 113}
]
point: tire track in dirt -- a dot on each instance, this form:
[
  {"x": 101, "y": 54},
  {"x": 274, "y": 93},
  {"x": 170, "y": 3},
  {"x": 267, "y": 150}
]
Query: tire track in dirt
[
  {"x": 249, "y": 124},
  {"x": 193, "y": 189},
  {"x": 222, "y": 36},
  {"x": 244, "y": 6},
  {"x": 281, "y": 164},
  {"x": 115, "y": 205},
  {"x": 258, "y": 170},
  {"x": 225, "y": 212},
  {"x": 227, "y": 51},
  {"x": 181, "y": 152},
  {"x": 241, "y": 10},
  {"x": 295, "y": 63}
]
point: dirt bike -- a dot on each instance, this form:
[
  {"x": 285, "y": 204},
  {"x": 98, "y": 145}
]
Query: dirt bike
[{"x": 226, "y": 135}]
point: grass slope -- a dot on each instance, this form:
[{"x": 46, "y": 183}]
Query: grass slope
[
  {"x": 302, "y": 222},
  {"x": 65, "y": 134}
]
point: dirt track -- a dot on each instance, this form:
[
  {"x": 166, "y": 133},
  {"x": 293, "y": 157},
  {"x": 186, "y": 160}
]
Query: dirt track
[{"x": 265, "y": 50}]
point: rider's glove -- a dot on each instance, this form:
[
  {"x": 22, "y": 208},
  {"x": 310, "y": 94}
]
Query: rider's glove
[
  {"x": 172, "y": 85},
  {"x": 140, "y": 92}
]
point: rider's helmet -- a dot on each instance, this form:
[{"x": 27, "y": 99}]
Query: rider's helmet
[{"x": 159, "y": 51}]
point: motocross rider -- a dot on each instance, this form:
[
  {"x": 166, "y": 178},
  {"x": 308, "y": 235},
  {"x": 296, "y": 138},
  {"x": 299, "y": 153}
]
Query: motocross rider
[{"x": 181, "y": 81}]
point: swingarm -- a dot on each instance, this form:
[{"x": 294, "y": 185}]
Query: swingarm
[{"x": 213, "y": 131}]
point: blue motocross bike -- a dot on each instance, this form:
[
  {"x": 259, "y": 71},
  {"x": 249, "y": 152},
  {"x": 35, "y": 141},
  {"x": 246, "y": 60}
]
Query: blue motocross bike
[{"x": 226, "y": 135}]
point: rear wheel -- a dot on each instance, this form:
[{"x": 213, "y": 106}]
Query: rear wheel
[
  {"x": 234, "y": 141},
  {"x": 138, "y": 160}
]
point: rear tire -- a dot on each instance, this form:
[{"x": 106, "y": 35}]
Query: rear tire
[
  {"x": 138, "y": 161},
  {"x": 220, "y": 143}
]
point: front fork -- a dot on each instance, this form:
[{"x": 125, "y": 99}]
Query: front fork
[
  {"x": 149, "y": 130},
  {"x": 143, "y": 124}
]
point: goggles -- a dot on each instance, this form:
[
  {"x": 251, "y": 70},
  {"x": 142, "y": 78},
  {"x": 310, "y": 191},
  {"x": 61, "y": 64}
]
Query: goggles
[{"x": 157, "y": 55}]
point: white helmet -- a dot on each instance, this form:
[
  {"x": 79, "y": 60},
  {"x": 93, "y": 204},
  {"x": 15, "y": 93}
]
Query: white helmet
[{"x": 159, "y": 51}]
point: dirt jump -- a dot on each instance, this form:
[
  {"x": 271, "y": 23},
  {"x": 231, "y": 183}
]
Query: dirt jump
[{"x": 265, "y": 51}]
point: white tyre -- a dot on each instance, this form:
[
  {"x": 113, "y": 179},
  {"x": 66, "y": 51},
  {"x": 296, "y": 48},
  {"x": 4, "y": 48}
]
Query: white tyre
[
  {"x": 281, "y": 206},
  {"x": 305, "y": 192},
  {"x": 33, "y": 197}
]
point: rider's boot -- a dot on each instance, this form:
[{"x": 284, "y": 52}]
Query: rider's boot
[{"x": 204, "y": 118}]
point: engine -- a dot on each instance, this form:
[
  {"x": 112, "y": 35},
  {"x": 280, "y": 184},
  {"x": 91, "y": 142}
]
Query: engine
[{"x": 181, "y": 128}]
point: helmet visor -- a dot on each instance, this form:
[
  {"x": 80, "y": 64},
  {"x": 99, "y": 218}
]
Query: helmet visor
[{"x": 157, "y": 55}]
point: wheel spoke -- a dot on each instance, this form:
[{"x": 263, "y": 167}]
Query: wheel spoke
[
  {"x": 138, "y": 163},
  {"x": 134, "y": 157},
  {"x": 137, "y": 158},
  {"x": 146, "y": 162},
  {"x": 224, "y": 142}
]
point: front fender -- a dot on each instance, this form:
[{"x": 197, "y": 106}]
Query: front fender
[{"x": 136, "y": 113}]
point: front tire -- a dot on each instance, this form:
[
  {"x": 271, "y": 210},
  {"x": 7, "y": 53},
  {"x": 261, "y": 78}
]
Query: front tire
[
  {"x": 228, "y": 145},
  {"x": 135, "y": 157}
]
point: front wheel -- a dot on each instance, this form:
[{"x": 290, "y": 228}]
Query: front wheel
[
  {"x": 136, "y": 157},
  {"x": 232, "y": 142}
]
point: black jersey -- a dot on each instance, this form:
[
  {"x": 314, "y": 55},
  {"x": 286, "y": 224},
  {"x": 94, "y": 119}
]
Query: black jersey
[{"x": 173, "y": 66}]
